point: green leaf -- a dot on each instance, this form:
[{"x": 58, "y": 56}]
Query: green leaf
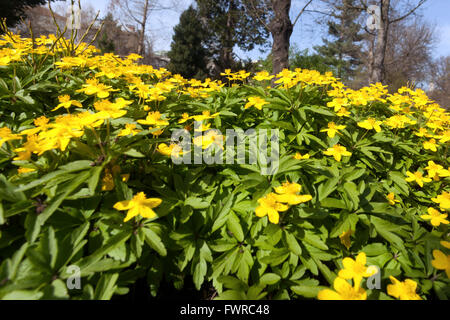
[
  {"x": 233, "y": 283},
  {"x": 234, "y": 225},
  {"x": 134, "y": 153},
  {"x": 23, "y": 295},
  {"x": 231, "y": 295},
  {"x": 109, "y": 245},
  {"x": 93, "y": 180},
  {"x": 106, "y": 286},
  {"x": 276, "y": 257},
  {"x": 351, "y": 190},
  {"x": 325, "y": 189},
  {"x": 196, "y": 203},
  {"x": 199, "y": 273},
  {"x": 222, "y": 216},
  {"x": 292, "y": 243},
  {"x": 269, "y": 278},
  {"x": 346, "y": 222},
  {"x": 307, "y": 291},
  {"x": 48, "y": 211},
  {"x": 314, "y": 240},
  {"x": 154, "y": 241}
]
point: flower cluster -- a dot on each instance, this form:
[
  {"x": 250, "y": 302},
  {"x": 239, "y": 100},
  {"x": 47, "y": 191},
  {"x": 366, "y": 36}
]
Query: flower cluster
[{"x": 285, "y": 195}]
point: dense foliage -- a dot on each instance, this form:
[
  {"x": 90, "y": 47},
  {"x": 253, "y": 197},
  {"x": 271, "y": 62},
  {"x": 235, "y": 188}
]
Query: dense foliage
[
  {"x": 87, "y": 181},
  {"x": 188, "y": 56},
  {"x": 13, "y": 11}
]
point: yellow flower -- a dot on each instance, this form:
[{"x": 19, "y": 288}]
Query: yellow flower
[
  {"x": 338, "y": 103},
  {"x": 332, "y": 129},
  {"x": 436, "y": 217},
  {"x": 435, "y": 170},
  {"x": 139, "y": 205},
  {"x": 423, "y": 132},
  {"x": 445, "y": 244},
  {"x": 130, "y": 128},
  {"x": 441, "y": 261},
  {"x": 109, "y": 109},
  {"x": 417, "y": 177},
  {"x": 337, "y": 151},
  {"x": 444, "y": 137},
  {"x": 370, "y": 124},
  {"x": 172, "y": 150},
  {"x": 404, "y": 290},
  {"x": 287, "y": 193},
  {"x": 93, "y": 87},
  {"x": 107, "y": 182},
  {"x": 345, "y": 238},
  {"x": 269, "y": 205},
  {"x": 7, "y": 135},
  {"x": 443, "y": 199},
  {"x": 154, "y": 119},
  {"x": 208, "y": 139},
  {"x": 65, "y": 102},
  {"x": 257, "y": 102},
  {"x": 25, "y": 170},
  {"x": 263, "y": 75},
  {"x": 430, "y": 145},
  {"x": 344, "y": 291},
  {"x": 343, "y": 112},
  {"x": 391, "y": 198},
  {"x": 356, "y": 269},
  {"x": 205, "y": 116},
  {"x": 298, "y": 156},
  {"x": 108, "y": 179},
  {"x": 122, "y": 103},
  {"x": 398, "y": 121},
  {"x": 185, "y": 117},
  {"x": 202, "y": 127}
]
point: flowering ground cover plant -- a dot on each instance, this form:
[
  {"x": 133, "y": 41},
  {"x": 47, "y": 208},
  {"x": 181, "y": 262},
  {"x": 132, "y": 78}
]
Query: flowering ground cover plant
[{"x": 91, "y": 199}]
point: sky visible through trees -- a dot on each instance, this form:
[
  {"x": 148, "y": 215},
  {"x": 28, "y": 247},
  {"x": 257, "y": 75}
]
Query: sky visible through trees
[{"x": 307, "y": 33}]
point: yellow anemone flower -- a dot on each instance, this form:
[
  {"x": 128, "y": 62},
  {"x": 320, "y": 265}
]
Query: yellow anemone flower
[
  {"x": 139, "y": 205},
  {"x": 345, "y": 238},
  {"x": 417, "y": 177},
  {"x": 391, "y": 198},
  {"x": 443, "y": 199},
  {"x": 356, "y": 269},
  {"x": 441, "y": 261},
  {"x": 333, "y": 129},
  {"x": 337, "y": 151},
  {"x": 256, "y": 102},
  {"x": 344, "y": 291},
  {"x": 435, "y": 217},
  {"x": 287, "y": 193},
  {"x": 269, "y": 205},
  {"x": 370, "y": 124},
  {"x": 403, "y": 290},
  {"x": 299, "y": 156}
]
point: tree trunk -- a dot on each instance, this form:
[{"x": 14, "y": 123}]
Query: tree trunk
[
  {"x": 379, "y": 50},
  {"x": 141, "y": 42},
  {"x": 281, "y": 29},
  {"x": 227, "y": 50}
]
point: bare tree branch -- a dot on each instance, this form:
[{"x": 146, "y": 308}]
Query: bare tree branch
[
  {"x": 421, "y": 2},
  {"x": 301, "y": 12},
  {"x": 255, "y": 13}
]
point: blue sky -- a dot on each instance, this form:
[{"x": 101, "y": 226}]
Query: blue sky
[{"x": 306, "y": 33}]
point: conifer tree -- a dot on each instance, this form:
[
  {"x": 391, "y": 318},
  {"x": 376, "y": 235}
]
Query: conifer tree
[
  {"x": 14, "y": 10},
  {"x": 187, "y": 52},
  {"x": 343, "y": 52}
]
